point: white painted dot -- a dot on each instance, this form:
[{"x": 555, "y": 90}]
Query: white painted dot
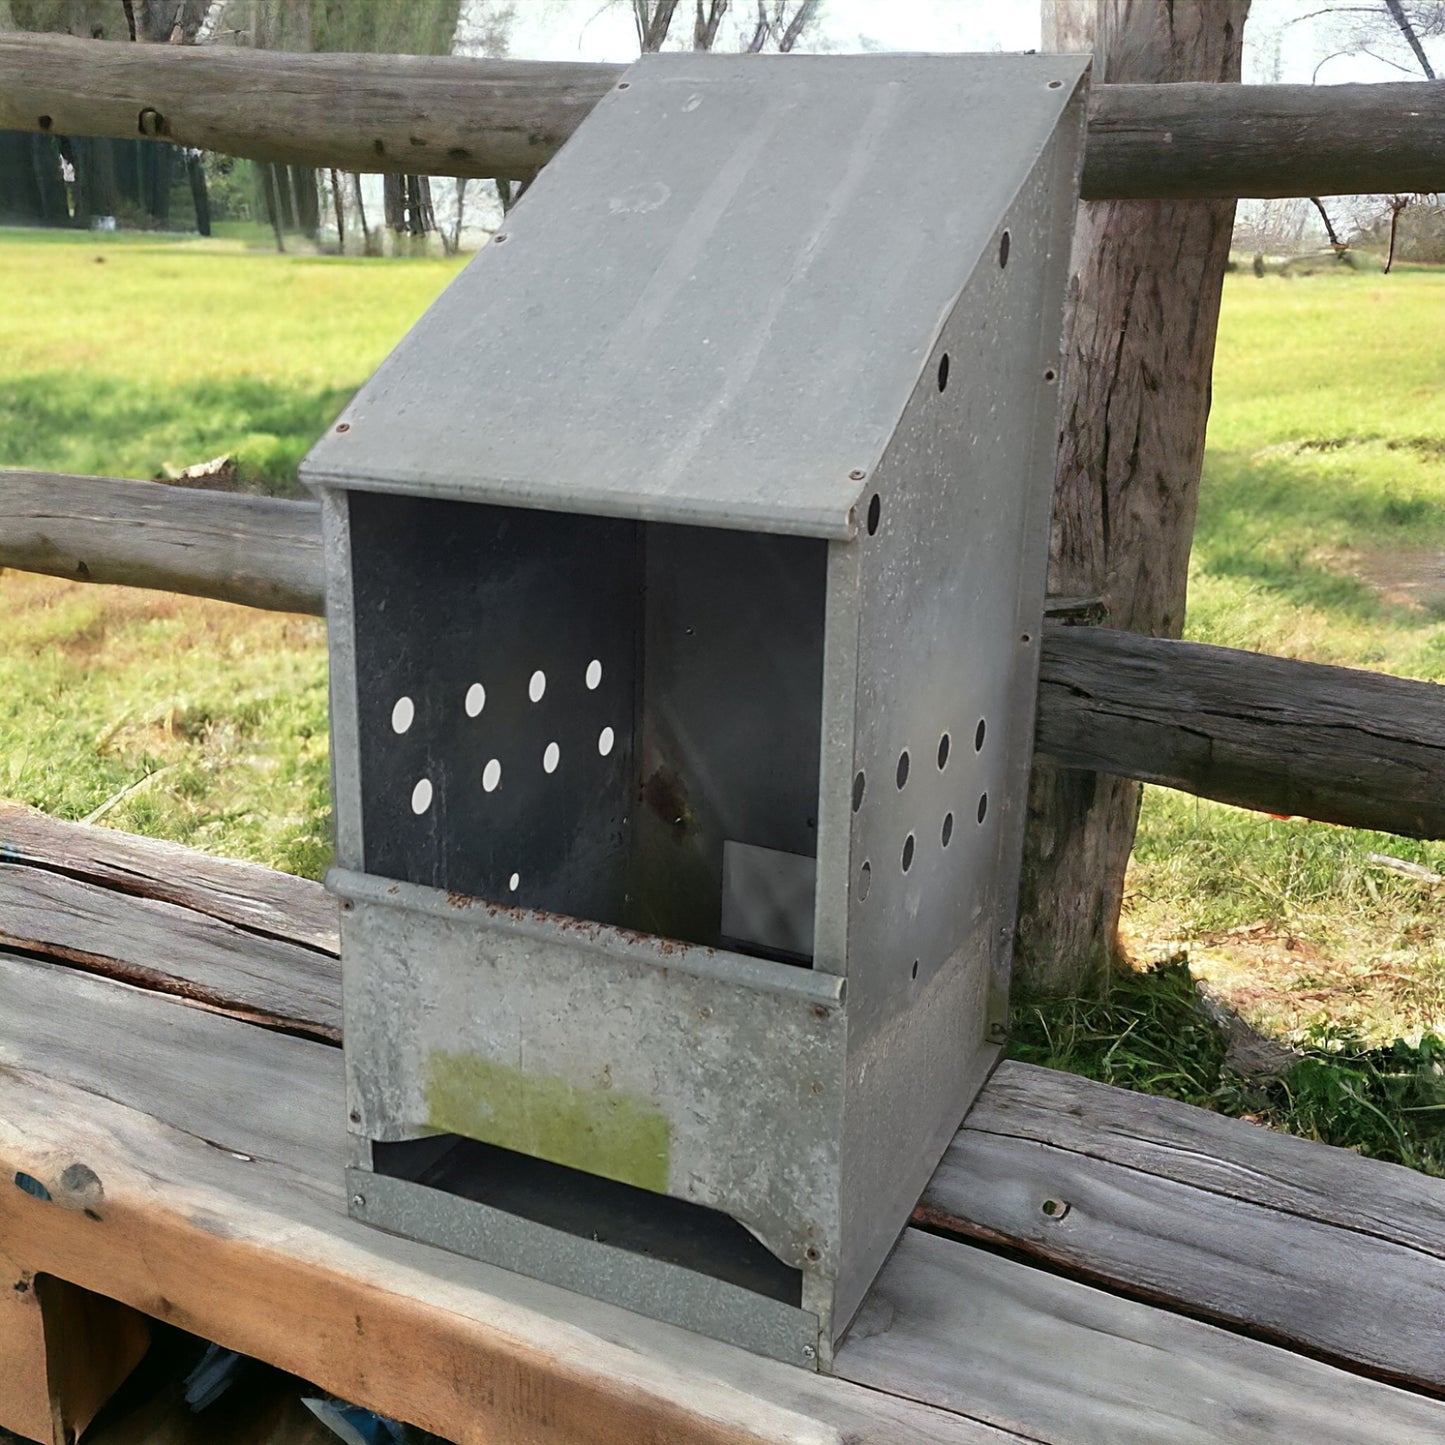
[
  {"x": 476, "y": 699},
  {"x": 421, "y": 796},
  {"x": 605, "y": 740},
  {"x": 551, "y": 757},
  {"x": 537, "y": 686},
  {"x": 514, "y": 882},
  {"x": 594, "y": 673},
  {"x": 491, "y": 775},
  {"x": 402, "y": 714}
]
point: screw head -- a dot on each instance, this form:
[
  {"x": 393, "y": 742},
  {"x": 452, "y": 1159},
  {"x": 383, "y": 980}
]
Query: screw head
[
  {"x": 343, "y": 426},
  {"x": 856, "y": 475},
  {"x": 358, "y": 1201},
  {"x": 809, "y": 1353}
]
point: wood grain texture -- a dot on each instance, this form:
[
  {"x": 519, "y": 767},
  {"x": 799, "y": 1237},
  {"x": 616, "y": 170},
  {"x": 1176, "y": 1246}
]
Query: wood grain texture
[
  {"x": 1332, "y": 743},
  {"x": 259, "y": 551},
  {"x": 1138, "y": 355},
  {"x": 218, "y": 1152},
  {"x": 1057, "y": 1361},
  {"x": 24, "y": 1390},
  {"x": 91, "y": 1346},
  {"x": 451, "y": 116},
  {"x": 1341, "y": 1255},
  {"x": 171, "y": 949},
  {"x": 260, "y": 900}
]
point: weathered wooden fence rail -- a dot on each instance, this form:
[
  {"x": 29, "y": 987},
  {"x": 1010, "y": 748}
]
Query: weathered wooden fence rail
[
  {"x": 1331, "y": 743},
  {"x": 453, "y": 116}
]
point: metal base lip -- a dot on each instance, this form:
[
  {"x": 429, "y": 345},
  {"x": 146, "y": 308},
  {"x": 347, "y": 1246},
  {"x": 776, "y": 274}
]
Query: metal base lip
[{"x": 646, "y": 1286}]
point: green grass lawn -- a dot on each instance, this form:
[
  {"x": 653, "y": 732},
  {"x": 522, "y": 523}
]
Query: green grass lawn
[
  {"x": 127, "y": 354},
  {"x": 1321, "y": 536}
]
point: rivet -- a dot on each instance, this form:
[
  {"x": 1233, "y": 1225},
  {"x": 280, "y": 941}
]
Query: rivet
[
  {"x": 856, "y": 476},
  {"x": 343, "y": 426}
]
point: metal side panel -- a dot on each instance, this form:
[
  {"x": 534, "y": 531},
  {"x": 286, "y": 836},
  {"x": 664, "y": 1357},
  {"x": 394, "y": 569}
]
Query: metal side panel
[
  {"x": 698, "y": 1074},
  {"x": 713, "y": 305},
  {"x": 950, "y": 611},
  {"x": 652, "y": 1287}
]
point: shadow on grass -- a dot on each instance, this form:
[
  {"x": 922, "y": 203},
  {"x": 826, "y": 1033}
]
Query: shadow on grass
[
  {"x": 1266, "y": 519},
  {"x": 126, "y": 426}
]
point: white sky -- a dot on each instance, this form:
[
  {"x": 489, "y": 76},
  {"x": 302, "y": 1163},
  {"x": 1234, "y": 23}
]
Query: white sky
[{"x": 1286, "y": 40}]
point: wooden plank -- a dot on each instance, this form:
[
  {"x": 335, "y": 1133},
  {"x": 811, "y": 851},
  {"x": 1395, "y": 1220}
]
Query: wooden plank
[
  {"x": 446, "y": 115},
  {"x": 24, "y": 1391},
  {"x": 260, "y": 900},
  {"x": 218, "y": 1152},
  {"x": 170, "y": 948},
  {"x": 1333, "y": 743},
  {"x": 91, "y": 1346},
  {"x": 1055, "y": 1360},
  {"x": 259, "y": 551},
  {"x": 1316, "y": 1247},
  {"x": 232, "y": 1247}
]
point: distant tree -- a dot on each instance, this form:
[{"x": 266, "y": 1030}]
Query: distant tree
[{"x": 780, "y": 24}]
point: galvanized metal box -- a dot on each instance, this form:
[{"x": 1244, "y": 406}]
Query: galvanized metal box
[{"x": 685, "y": 570}]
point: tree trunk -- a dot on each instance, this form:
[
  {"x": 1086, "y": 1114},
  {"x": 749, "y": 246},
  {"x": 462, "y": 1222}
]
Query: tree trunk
[
  {"x": 1139, "y": 349},
  {"x": 366, "y": 242},
  {"x": 340, "y": 213},
  {"x": 200, "y": 197},
  {"x": 305, "y": 200}
]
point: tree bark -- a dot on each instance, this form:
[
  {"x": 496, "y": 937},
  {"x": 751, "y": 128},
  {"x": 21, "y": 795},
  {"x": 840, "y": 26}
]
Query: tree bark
[{"x": 1139, "y": 349}]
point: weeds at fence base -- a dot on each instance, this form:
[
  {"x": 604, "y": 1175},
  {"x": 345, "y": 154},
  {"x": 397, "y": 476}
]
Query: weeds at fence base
[{"x": 1152, "y": 1030}]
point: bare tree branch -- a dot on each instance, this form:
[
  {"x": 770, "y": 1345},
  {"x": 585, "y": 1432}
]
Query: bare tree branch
[
  {"x": 1335, "y": 242},
  {"x": 1397, "y": 13},
  {"x": 802, "y": 17},
  {"x": 653, "y": 21},
  {"x": 704, "y": 26}
]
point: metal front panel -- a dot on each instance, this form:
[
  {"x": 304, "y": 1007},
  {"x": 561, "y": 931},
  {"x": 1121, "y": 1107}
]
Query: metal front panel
[
  {"x": 713, "y": 304},
  {"x": 496, "y": 652},
  {"x": 704, "y": 1075},
  {"x": 950, "y": 599},
  {"x": 732, "y": 699},
  {"x": 652, "y": 1287}
]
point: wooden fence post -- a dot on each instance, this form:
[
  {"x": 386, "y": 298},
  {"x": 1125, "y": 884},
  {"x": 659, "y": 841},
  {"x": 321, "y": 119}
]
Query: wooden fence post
[{"x": 1144, "y": 306}]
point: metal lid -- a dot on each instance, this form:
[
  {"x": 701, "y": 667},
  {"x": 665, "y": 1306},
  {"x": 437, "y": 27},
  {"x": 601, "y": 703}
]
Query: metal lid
[{"x": 713, "y": 305}]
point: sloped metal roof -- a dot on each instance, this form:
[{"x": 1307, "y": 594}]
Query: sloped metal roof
[{"x": 714, "y": 303}]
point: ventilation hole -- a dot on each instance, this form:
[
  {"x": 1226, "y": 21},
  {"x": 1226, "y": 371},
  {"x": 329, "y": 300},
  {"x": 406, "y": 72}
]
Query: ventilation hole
[
  {"x": 551, "y": 757},
  {"x": 1003, "y": 245},
  {"x": 537, "y": 686},
  {"x": 476, "y": 699},
  {"x": 980, "y": 730},
  {"x": 865, "y": 881},
  {"x": 902, "y": 774},
  {"x": 514, "y": 882},
  {"x": 982, "y": 806},
  {"x": 908, "y": 852},
  {"x": 402, "y": 714},
  {"x": 943, "y": 372},
  {"x": 943, "y": 747},
  {"x": 859, "y": 783},
  {"x": 594, "y": 674},
  {"x": 421, "y": 797},
  {"x": 491, "y": 776},
  {"x": 915, "y": 968},
  {"x": 605, "y": 739},
  {"x": 875, "y": 510},
  {"x": 947, "y": 834}
]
